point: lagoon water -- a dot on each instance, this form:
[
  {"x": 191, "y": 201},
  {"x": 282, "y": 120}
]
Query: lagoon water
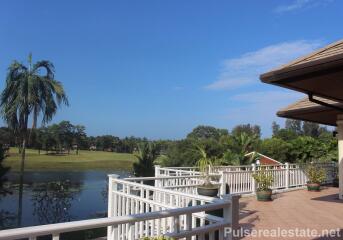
[{"x": 54, "y": 196}]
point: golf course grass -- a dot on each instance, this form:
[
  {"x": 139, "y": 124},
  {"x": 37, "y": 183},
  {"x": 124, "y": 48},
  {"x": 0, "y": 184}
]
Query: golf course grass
[{"x": 85, "y": 160}]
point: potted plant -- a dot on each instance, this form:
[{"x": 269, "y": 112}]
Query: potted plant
[
  {"x": 316, "y": 176},
  {"x": 264, "y": 182},
  {"x": 204, "y": 164}
]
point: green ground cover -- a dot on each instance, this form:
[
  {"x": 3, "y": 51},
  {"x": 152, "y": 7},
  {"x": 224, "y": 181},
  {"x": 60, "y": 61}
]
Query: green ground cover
[{"x": 85, "y": 160}]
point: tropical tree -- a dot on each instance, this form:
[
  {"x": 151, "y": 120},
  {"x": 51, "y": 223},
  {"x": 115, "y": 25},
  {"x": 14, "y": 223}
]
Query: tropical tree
[
  {"x": 30, "y": 91},
  {"x": 241, "y": 145},
  {"x": 27, "y": 93},
  {"x": 275, "y": 128},
  {"x": 294, "y": 126},
  {"x": 275, "y": 148},
  {"x": 207, "y": 132},
  {"x": 147, "y": 154},
  {"x": 79, "y": 136},
  {"x": 251, "y": 130}
]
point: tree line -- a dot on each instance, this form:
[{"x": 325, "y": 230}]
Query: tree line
[
  {"x": 297, "y": 141},
  {"x": 64, "y": 137}
]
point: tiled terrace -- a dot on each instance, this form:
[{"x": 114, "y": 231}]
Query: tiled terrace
[{"x": 296, "y": 209}]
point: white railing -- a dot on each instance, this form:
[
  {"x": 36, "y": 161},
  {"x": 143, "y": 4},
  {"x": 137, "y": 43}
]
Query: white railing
[
  {"x": 158, "y": 195},
  {"x": 239, "y": 179},
  {"x": 181, "y": 224},
  {"x": 186, "y": 183},
  {"x": 129, "y": 197},
  {"x": 217, "y": 169},
  {"x": 175, "y": 171}
]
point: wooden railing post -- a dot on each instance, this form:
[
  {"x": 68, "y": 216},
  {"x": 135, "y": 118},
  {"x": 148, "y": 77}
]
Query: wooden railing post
[
  {"x": 222, "y": 182},
  {"x": 157, "y": 170},
  {"x": 231, "y": 214},
  {"x": 188, "y": 224},
  {"x": 112, "y": 204},
  {"x": 287, "y": 175},
  {"x": 157, "y": 174},
  {"x": 253, "y": 168}
]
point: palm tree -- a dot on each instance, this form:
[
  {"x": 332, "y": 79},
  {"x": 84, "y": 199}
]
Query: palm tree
[
  {"x": 147, "y": 154},
  {"x": 30, "y": 91},
  {"x": 204, "y": 163},
  {"x": 243, "y": 144}
]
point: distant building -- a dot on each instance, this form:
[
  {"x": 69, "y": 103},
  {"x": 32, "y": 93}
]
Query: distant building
[
  {"x": 92, "y": 148},
  {"x": 263, "y": 159}
]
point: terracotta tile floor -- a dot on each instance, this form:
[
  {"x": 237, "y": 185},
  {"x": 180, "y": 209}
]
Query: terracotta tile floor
[{"x": 293, "y": 210}]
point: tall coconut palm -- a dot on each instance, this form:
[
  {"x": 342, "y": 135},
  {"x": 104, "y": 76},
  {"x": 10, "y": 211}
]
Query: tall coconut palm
[{"x": 30, "y": 91}]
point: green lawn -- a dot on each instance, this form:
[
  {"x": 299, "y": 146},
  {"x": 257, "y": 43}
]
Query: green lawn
[{"x": 86, "y": 160}]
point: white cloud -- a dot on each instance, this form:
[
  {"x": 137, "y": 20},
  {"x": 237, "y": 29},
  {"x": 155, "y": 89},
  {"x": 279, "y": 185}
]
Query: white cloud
[
  {"x": 244, "y": 70},
  {"x": 297, "y": 4},
  {"x": 226, "y": 82},
  {"x": 300, "y": 4},
  {"x": 260, "y": 107}
]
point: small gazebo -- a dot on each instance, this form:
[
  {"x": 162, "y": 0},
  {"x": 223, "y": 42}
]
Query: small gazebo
[{"x": 319, "y": 75}]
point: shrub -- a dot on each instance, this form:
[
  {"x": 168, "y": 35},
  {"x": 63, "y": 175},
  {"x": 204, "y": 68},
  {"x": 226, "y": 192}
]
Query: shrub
[
  {"x": 263, "y": 179},
  {"x": 315, "y": 174}
]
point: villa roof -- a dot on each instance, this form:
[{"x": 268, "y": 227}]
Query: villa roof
[
  {"x": 319, "y": 73},
  {"x": 306, "y": 110},
  {"x": 264, "y": 160}
]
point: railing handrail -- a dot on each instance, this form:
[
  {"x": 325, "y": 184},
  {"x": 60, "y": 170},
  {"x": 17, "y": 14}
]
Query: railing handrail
[
  {"x": 147, "y": 187},
  {"x": 58, "y": 228},
  {"x": 168, "y": 177},
  {"x": 259, "y": 170},
  {"x": 180, "y": 168},
  {"x": 274, "y": 165}
]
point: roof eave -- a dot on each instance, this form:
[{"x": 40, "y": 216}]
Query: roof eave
[
  {"x": 301, "y": 119},
  {"x": 302, "y": 69}
]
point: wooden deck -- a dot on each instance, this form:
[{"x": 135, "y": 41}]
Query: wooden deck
[{"x": 291, "y": 211}]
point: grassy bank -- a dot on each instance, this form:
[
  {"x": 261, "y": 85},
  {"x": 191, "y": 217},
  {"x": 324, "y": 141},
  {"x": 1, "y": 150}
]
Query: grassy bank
[{"x": 85, "y": 160}]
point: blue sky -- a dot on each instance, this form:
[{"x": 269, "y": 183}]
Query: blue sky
[{"x": 160, "y": 68}]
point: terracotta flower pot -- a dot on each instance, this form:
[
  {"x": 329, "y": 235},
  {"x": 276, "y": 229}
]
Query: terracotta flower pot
[
  {"x": 313, "y": 187},
  {"x": 264, "y": 195},
  {"x": 210, "y": 191}
]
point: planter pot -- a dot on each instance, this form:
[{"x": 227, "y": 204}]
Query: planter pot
[
  {"x": 335, "y": 182},
  {"x": 136, "y": 192},
  {"x": 265, "y": 195},
  {"x": 208, "y": 191},
  {"x": 313, "y": 187}
]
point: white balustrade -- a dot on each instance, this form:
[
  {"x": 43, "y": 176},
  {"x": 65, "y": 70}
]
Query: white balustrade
[
  {"x": 239, "y": 179},
  {"x": 175, "y": 171},
  {"x": 178, "y": 223},
  {"x": 185, "y": 183}
]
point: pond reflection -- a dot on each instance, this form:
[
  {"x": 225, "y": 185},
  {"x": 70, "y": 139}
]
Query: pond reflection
[
  {"x": 52, "y": 201},
  {"x": 53, "y": 197},
  {"x": 7, "y": 219}
]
